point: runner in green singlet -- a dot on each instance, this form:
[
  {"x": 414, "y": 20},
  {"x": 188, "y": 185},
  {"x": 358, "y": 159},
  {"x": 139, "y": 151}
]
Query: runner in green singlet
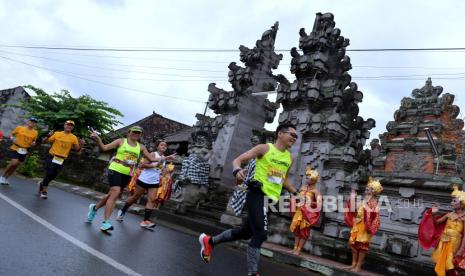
[
  {"x": 120, "y": 169},
  {"x": 264, "y": 181}
]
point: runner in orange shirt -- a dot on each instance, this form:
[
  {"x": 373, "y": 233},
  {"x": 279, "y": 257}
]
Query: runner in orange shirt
[
  {"x": 24, "y": 137},
  {"x": 62, "y": 143}
]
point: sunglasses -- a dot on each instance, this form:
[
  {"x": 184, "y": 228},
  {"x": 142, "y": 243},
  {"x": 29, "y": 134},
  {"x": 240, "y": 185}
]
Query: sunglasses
[
  {"x": 293, "y": 135},
  {"x": 136, "y": 132}
]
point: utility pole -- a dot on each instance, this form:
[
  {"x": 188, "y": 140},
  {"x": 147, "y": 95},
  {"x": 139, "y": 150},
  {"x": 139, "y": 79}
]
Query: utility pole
[
  {"x": 205, "y": 111},
  {"x": 429, "y": 135}
]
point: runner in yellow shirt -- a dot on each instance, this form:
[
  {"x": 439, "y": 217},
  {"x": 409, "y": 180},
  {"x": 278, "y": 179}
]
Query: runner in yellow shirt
[
  {"x": 24, "y": 137},
  {"x": 62, "y": 143}
]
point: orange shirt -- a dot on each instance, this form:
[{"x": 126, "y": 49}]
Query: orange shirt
[
  {"x": 62, "y": 143},
  {"x": 24, "y": 137}
]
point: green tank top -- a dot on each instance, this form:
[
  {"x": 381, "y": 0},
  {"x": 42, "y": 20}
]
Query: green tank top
[
  {"x": 271, "y": 171},
  {"x": 127, "y": 154}
]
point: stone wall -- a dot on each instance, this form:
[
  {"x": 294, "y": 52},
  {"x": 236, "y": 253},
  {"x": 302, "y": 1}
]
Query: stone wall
[
  {"x": 84, "y": 170},
  {"x": 10, "y": 117}
]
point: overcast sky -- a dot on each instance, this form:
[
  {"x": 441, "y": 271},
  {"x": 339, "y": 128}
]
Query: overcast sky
[{"x": 221, "y": 25}]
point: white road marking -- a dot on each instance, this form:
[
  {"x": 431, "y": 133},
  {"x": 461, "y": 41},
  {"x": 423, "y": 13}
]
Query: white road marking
[{"x": 70, "y": 238}]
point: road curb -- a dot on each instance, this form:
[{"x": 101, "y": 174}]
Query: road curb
[{"x": 194, "y": 226}]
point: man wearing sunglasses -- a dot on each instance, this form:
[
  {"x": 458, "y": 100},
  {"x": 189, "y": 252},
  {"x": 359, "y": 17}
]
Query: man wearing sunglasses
[{"x": 266, "y": 180}]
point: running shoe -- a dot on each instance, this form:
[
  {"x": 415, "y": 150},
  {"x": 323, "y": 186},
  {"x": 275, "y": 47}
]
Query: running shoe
[
  {"x": 205, "y": 247},
  {"x": 147, "y": 224},
  {"x": 106, "y": 226},
  {"x": 43, "y": 195},
  {"x": 121, "y": 215},
  {"x": 92, "y": 212},
  {"x": 4, "y": 181}
]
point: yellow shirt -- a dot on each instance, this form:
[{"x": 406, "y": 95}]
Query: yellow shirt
[
  {"x": 24, "y": 137},
  {"x": 62, "y": 143}
]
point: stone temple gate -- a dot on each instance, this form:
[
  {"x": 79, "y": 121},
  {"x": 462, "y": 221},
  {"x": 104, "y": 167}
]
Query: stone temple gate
[
  {"x": 322, "y": 102},
  {"x": 240, "y": 112},
  {"x": 405, "y": 164}
]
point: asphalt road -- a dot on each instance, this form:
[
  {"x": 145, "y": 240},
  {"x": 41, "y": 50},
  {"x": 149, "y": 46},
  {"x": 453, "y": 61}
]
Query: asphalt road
[{"x": 52, "y": 237}]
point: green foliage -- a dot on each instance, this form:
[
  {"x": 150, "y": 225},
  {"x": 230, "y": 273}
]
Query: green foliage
[
  {"x": 30, "y": 168},
  {"x": 53, "y": 110}
]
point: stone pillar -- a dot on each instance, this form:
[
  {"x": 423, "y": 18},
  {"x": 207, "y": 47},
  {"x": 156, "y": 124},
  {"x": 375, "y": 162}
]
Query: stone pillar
[
  {"x": 323, "y": 103},
  {"x": 233, "y": 137},
  {"x": 240, "y": 111}
]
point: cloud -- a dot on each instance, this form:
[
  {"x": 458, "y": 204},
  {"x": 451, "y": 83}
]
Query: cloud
[
  {"x": 220, "y": 25},
  {"x": 375, "y": 107}
]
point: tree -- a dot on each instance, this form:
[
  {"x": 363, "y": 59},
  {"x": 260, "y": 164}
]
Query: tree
[{"x": 53, "y": 110}]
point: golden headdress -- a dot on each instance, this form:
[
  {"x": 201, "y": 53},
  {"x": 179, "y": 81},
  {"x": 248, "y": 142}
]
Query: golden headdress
[
  {"x": 375, "y": 185},
  {"x": 460, "y": 195},
  {"x": 311, "y": 174},
  {"x": 170, "y": 167}
]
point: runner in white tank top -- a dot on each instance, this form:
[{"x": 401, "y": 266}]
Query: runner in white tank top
[
  {"x": 149, "y": 181},
  {"x": 151, "y": 175}
]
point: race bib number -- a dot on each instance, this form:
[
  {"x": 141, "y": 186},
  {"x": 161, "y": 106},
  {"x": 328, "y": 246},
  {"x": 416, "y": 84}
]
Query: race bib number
[
  {"x": 22, "y": 151},
  {"x": 275, "y": 180},
  {"x": 275, "y": 177},
  {"x": 130, "y": 162},
  {"x": 58, "y": 160}
]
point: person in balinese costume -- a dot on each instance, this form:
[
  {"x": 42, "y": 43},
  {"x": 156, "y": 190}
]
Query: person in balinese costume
[
  {"x": 445, "y": 233},
  {"x": 364, "y": 221},
  {"x": 166, "y": 183},
  {"x": 307, "y": 211},
  {"x": 135, "y": 175}
]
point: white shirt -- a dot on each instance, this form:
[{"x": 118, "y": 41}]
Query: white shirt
[{"x": 152, "y": 175}]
